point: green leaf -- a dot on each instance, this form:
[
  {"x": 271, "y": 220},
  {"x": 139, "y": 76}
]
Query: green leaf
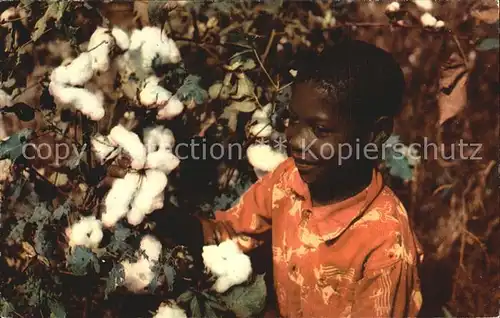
[
  {"x": 191, "y": 89},
  {"x": 118, "y": 241},
  {"x": 185, "y": 297},
  {"x": 195, "y": 308},
  {"x": 488, "y": 44},
  {"x": 209, "y": 312},
  {"x": 170, "y": 276},
  {"x": 247, "y": 300},
  {"x": 12, "y": 148},
  {"x": 17, "y": 232},
  {"x": 115, "y": 279},
  {"x": 80, "y": 259},
  {"x": 447, "y": 313},
  {"x": 6, "y": 308},
  {"x": 56, "y": 309}
]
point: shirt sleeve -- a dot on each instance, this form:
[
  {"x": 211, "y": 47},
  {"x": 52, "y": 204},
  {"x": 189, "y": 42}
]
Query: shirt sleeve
[
  {"x": 393, "y": 291},
  {"x": 250, "y": 218}
]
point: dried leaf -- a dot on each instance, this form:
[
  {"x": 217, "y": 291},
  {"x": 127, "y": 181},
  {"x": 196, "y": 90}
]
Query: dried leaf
[
  {"x": 55, "y": 10},
  {"x": 453, "y": 93},
  {"x": 245, "y": 87},
  {"x": 486, "y": 14}
]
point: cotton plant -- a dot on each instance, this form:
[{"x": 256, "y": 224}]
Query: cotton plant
[
  {"x": 87, "y": 232},
  {"x": 67, "y": 79},
  {"x": 153, "y": 95},
  {"x": 5, "y": 101},
  {"x": 261, "y": 155},
  {"x": 139, "y": 274},
  {"x": 170, "y": 310},
  {"x": 137, "y": 195},
  {"x": 228, "y": 263},
  {"x": 429, "y": 21}
]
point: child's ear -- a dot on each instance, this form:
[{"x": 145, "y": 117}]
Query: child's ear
[{"x": 382, "y": 129}]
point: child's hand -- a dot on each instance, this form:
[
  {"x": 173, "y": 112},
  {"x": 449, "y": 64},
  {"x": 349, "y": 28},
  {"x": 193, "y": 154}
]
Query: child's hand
[{"x": 228, "y": 263}]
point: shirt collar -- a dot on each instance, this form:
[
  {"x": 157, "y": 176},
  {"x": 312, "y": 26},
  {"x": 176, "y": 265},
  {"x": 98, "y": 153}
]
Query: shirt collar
[{"x": 333, "y": 219}]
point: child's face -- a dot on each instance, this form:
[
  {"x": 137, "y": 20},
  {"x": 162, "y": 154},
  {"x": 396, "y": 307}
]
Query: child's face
[{"x": 315, "y": 134}]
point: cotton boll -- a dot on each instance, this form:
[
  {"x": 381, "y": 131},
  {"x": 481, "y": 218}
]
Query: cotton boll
[
  {"x": 131, "y": 143},
  {"x": 440, "y": 24},
  {"x": 154, "y": 45},
  {"x": 151, "y": 186},
  {"x": 121, "y": 38},
  {"x": 5, "y": 99},
  {"x": 163, "y": 160},
  {"x": 153, "y": 94},
  {"x": 90, "y": 104},
  {"x": 228, "y": 263},
  {"x": 170, "y": 311},
  {"x": 264, "y": 157},
  {"x": 86, "y": 232},
  {"x": 261, "y": 130},
  {"x": 393, "y": 6},
  {"x": 158, "y": 202},
  {"x": 173, "y": 108},
  {"x": 103, "y": 148},
  {"x": 99, "y": 47},
  {"x": 151, "y": 247},
  {"x": 136, "y": 40},
  {"x": 77, "y": 73},
  {"x": 158, "y": 137},
  {"x": 262, "y": 115},
  {"x": 428, "y": 20},
  {"x": 137, "y": 275},
  {"x": 119, "y": 197},
  {"x": 425, "y": 5}
]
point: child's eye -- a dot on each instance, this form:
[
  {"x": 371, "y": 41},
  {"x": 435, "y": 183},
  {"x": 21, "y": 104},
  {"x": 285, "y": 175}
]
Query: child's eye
[{"x": 322, "y": 131}]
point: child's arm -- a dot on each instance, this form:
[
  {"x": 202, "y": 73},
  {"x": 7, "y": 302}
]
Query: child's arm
[
  {"x": 249, "y": 218},
  {"x": 246, "y": 221}
]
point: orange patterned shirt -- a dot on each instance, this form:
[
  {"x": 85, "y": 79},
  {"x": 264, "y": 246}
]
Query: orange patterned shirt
[{"x": 356, "y": 258}]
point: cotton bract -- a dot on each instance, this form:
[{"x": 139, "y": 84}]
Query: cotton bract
[
  {"x": 87, "y": 232},
  {"x": 228, "y": 263}
]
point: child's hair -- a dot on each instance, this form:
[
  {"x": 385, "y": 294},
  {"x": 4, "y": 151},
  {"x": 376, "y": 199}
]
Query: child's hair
[{"x": 362, "y": 80}]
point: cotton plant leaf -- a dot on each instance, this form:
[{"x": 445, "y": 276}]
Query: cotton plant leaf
[
  {"x": 6, "y": 308},
  {"x": 488, "y": 44},
  {"x": 194, "y": 306},
  {"x": 62, "y": 210},
  {"x": 247, "y": 300},
  {"x": 80, "y": 259},
  {"x": 116, "y": 278},
  {"x": 453, "y": 91},
  {"x": 191, "y": 89},
  {"x": 170, "y": 273},
  {"x": 118, "y": 241},
  {"x": 56, "y": 309},
  {"x": 12, "y": 148}
]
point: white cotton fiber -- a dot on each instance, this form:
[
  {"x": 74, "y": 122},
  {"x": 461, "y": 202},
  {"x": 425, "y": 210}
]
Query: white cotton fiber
[
  {"x": 264, "y": 157},
  {"x": 90, "y": 104},
  {"x": 99, "y": 47},
  {"x": 5, "y": 99},
  {"x": 139, "y": 275},
  {"x": 77, "y": 73},
  {"x": 119, "y": 197},
  {"x": 228, "y": 263},
  {"x": 170, "y": 310},
  {"x": 158, "y": 138},
  {"x": 163, "y": 160},
  {"x": 173, "y": 108},
  {"x": 86, "y": 232},
  {"x": 152, "y": 94},
  {"x": 121, "y": 38},
  {"x": 131, "y": 143},
  {"x": 152, "y": 185},
  {"x": 103, "y": 148}
]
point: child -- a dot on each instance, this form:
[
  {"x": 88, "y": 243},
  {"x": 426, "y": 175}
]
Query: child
[{"x": 342, "y": 244}]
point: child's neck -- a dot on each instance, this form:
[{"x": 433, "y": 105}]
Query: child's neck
[{"x": 345, "y": 184}]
